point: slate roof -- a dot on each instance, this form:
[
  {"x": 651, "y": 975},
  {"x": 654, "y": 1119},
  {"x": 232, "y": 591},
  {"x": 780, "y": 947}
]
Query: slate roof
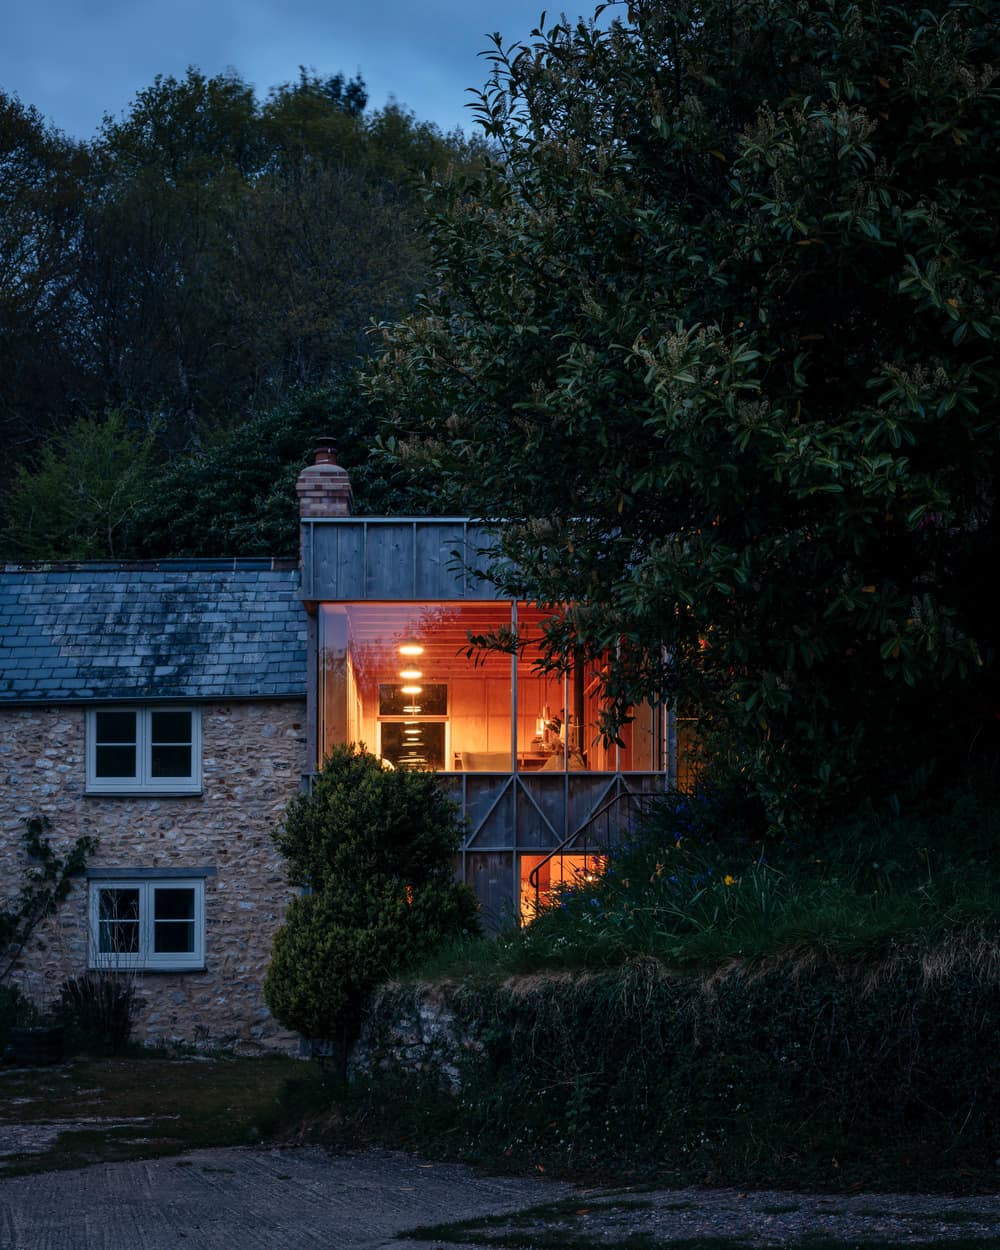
[{"x": 172, "y": 629}]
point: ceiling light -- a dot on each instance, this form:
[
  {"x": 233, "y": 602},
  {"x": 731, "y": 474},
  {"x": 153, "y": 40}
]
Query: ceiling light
[
  {"x": 412, "y": 673},
  {"x": 410, "y": 648},
  {"x": 412, "y": 689}
]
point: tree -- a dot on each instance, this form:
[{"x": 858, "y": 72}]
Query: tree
[
  {"x": 235, "y": 495},
  {"x": 208, "y": 253},
  {"x": 714, "y": 337},
  {"x": 41, "y": 198},
  {"x": 375, "y": 847},
  {"x": 78, "y": 501}
]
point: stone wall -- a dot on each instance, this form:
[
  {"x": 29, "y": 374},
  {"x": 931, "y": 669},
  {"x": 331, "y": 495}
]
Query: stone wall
[{"x": 253, "y": 754}]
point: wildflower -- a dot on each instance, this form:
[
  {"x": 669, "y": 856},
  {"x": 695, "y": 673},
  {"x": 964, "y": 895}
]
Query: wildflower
[{"x": 728, "y": 880}]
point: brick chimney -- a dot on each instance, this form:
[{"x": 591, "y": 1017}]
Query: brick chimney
[{"x": 323, "y": 488}]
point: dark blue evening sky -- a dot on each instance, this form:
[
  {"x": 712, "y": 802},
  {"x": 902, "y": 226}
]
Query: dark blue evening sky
[{"x": 78, "y": 59}]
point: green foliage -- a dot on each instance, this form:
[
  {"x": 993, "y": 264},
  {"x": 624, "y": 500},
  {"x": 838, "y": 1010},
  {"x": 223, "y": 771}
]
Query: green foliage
[
  {"x": 375, "y": 847},
  {"x": 97, "y": 1011},
  {"x": 810, "y": 1072},
  {"x": 235, "y": 494},
  {"x": 714, "y": 337},
  {"x": 78, "y": 502},
  {"x": 206, "y": 254},
  {"x": 44, "y": 888},
  {"x": 16, "y": 1012},
  {"x": 690, "y": 894},
  {"x": 42, "y": 179}
]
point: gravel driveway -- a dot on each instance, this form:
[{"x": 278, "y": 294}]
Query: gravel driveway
[
  {"x": 295, "y": 1199},
  {"x": 304, "y": 1198}
]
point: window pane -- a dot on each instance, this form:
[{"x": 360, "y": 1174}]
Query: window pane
[
  {"x": 418, "y": 698},
  {"x": 114, "y": 761},
  {"x": 115, "y": 726},
  {"x": 171, "y": 727},
  {"x": 558, "y": 712},
  {"x": 370, "y": 651},
  {"x": 173, "y": 904},
  {"x": 118, "y": 927},
  {"x": 119, "y": 904},
  {"x": 173, "y": 937},
  {"x": 173, "y": 920},
  {"x": 413, "y": 744},
  {"x": 119, "y": 937},
  {"x": 170, "y": 761}
]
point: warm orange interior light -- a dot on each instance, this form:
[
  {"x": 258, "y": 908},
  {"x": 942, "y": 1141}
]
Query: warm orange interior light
[
  {"x": 413, "y": 673},
  {"x": 412, "y": 689},
  {"x": 411, "y": 648}
]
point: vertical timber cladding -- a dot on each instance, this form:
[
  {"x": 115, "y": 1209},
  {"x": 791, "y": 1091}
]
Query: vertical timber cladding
[
  {"x": 396, "y": 558},
  {"x": 517, "y": 813}
]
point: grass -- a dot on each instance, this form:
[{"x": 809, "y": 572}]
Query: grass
[
  {"x": 143, "y": 1107},
  {"x": 693, "y": 893},
  {"x": 558, "y": 1226}
]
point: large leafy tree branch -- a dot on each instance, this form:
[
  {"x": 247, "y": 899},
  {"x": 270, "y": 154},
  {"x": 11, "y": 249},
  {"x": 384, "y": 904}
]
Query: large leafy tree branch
[{"x": 714, "y": 337}]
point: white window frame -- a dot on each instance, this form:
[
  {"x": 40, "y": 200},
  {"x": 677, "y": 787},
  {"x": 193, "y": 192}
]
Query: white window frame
[
  {"x": 146, "y": 957},
  {"x": 144, "y": 782}
]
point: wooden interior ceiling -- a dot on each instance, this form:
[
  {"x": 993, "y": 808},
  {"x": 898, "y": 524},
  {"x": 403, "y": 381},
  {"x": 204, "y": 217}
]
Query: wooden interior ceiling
[{"x": 442, "y": 629}]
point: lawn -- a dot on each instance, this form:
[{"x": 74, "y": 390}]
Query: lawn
[{"x": 139, "y": 1107}]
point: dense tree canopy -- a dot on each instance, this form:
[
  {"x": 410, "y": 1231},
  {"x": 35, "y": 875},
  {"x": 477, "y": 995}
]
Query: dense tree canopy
[
  {"x": 207, "y": 253},
  {"x": 715, "y": 336}
]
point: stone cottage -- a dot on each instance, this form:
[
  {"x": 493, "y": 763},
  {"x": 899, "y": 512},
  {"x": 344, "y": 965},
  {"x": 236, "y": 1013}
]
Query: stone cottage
[
  {"x": 161, "y": 709},
  {"x": 172, "y": 709}
]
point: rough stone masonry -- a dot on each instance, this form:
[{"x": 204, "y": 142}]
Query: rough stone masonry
[{"x": 253, "y": 754}]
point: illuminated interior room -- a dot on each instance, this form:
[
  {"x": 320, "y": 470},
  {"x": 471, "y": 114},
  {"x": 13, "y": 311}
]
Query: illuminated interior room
[{"x": 398, "y": 669}]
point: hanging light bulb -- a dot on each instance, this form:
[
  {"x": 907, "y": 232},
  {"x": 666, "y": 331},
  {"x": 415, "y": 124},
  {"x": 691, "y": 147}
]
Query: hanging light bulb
[
  {"x": 410, "y": 648},
  {"x": 412, "y": 689},
  {"x": 413, "y": 674}
]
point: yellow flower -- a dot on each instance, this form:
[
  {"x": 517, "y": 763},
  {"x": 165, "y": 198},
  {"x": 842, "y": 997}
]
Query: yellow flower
[{"x": 728, "y": 880}]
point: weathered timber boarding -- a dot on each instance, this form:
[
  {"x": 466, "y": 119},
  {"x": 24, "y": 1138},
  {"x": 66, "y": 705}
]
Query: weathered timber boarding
[{"x": 391, "y": 558}]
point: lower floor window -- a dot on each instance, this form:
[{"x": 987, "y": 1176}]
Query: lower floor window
[{"x": 147, "y": 924}]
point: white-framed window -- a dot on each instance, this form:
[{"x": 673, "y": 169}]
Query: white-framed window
[
  {"x": 153, "y": 750},
  {"x": 156, "y": 923}
]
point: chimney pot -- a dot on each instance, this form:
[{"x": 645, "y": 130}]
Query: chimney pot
[{"x": 324, "y": 488}]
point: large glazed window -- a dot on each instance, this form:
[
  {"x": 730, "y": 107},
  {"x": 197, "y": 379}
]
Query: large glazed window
[
  {"x": 405, "y": 680},
  {"x": 399, "y": 679},
  {"x": 559, "y": 714}
]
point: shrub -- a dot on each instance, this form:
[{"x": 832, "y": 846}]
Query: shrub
[
  {"x": 16, "y": 1011},
  {"x": 97, "y": 1010},
  {"x": 375, "y": 847},
  {"x": 813, "y": 1071}
]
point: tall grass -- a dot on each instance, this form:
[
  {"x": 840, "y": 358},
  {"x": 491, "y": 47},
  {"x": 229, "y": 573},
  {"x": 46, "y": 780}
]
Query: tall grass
[{"x": 688, "y": 895}]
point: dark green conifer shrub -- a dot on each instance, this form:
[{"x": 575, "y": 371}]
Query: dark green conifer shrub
[{"x": 375, "y": 848}]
